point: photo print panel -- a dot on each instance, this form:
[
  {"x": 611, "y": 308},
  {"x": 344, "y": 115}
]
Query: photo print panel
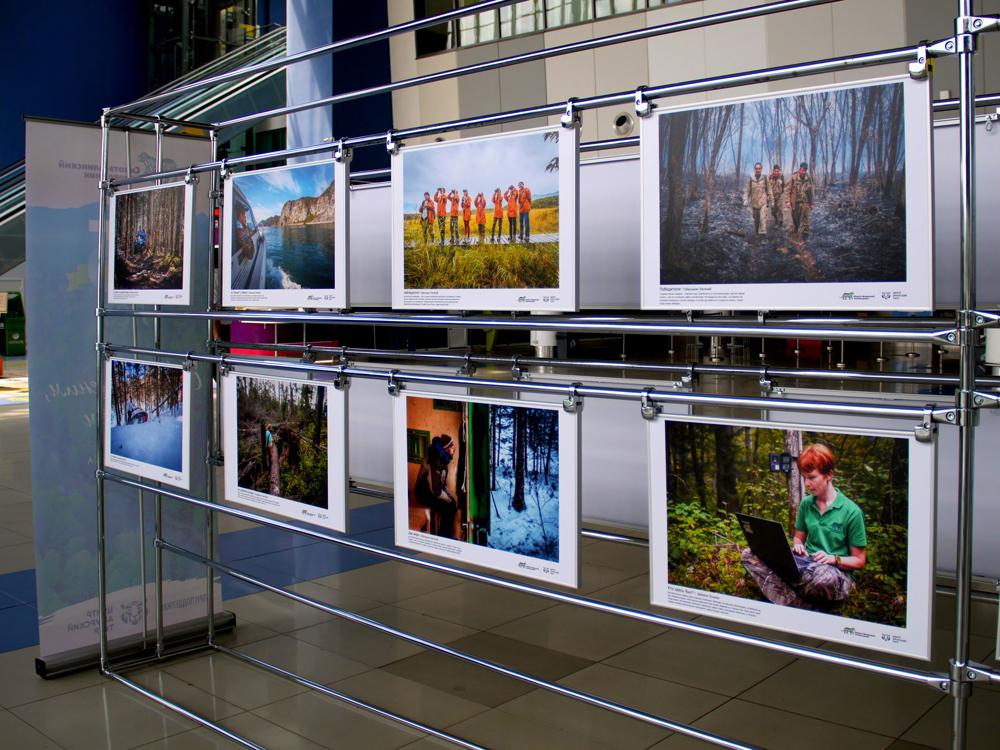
[
  {"x": 286, "y": 447},
  {"x": 150, "y": 245},
  {"x": 818, "y": 199},
  {"x": 822, "y": 532},
  {"x": 285, "y": 236},
  {"x": 487, "y": 223},
  {"x": 488, "y": 481},
  {"x": 148, "y": 420}
]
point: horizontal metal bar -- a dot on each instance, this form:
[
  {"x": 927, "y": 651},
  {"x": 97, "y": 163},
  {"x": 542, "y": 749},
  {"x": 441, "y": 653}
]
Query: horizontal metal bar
[
  {"x": 912, "y": 378},
  {"x": 197, "y": 718},
  {"x": 763, "y": 75},
  {"x": 636, "y": 394},
  {"x": 339, "y": 46},
  {"x": 493, "y": 666},
  {"x": 320, "y": 688},
  {"x": 984, "y": 100},
  {"x": 887, "y": 670},
  {"x": 171, "y": 121},
  {"x": 837, "y": 330},
  {"x": 546, "y": 53}
]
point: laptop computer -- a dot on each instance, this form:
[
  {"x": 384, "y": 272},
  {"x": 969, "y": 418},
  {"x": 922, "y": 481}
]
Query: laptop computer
[{"x": 767, "y": 540}]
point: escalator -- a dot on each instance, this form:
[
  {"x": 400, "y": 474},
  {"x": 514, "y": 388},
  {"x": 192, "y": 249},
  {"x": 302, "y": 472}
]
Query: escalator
[{"x": 215, "y": 103}]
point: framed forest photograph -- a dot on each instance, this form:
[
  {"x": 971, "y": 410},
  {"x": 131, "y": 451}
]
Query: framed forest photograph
[
  {"x": 150, "y": 245},
  {"x": 822, "y": 532},
  {"x": 286, "y": 447},
  {"x": 488, "y": 481},
  {"x": 813, "y": 199},
  {"x": 285, "y": 236},
  {"x": 148, "y": 420},
  {"x": 487, "y": 223}
]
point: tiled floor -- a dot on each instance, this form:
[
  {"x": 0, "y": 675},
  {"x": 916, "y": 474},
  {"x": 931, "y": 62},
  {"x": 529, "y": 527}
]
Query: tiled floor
[{"x": 760, "y": 697}]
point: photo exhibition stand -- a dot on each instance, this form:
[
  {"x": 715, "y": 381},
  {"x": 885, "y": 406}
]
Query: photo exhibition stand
[{"x": 961, "y": 416}]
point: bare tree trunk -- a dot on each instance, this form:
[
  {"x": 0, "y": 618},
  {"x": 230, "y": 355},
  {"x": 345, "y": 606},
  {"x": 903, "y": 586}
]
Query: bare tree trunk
[{"x": 793, "y": 447}]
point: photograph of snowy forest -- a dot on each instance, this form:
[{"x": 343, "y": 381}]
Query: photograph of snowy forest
[
  {"x": 149, "y": 230},
  {"x": 482, "y": 213},
  {"x": 485, "y": 474},
  {"x": 282, "y": 440},
  {"x": 147, "y": 413},
  {"x": 788, "y": 189},
  {"x": 841, "y": 500}
]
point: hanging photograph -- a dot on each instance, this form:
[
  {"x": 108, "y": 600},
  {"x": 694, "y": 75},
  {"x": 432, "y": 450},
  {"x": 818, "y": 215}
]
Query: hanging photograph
[
  {"x": 286, "y": 447},
  {"x": 285, "y": 236},
  {"x": 487, "y": 223},
  {"x": 815, "y": 199},
  {"x": 826, "y": 533},
  {"x": 150, "y": 245},
  {"x": 148, "y": 420},
  {"x": 489, "y": 482}
]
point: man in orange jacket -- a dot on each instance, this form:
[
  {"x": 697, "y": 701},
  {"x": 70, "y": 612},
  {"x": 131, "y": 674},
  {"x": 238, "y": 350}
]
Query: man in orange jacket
[
  {"x": 496, "y": 233},
  {"x": 453, "y": 201},
  {"x": 512, "y": 202},
  {"x": 524, "y": 208},
  {"x": 466, "y": 213},
  {"x": 480, "y": 203},
  {"x": 441, "y": 203}
]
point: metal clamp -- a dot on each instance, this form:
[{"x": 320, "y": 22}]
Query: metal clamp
[
  {"x": 925, "y": 429},
  {"x": 215, "y": 459},
  {"x": 343, "y": 356},
  {"x": 224, "y": 366},
  {"x": 191, "y": 178},
  {"x": 762, "y": 316},
  {"x": 224, "y": 171},
  {"x": 515, "y": 368},
  {"x": 961, "y": 679},
  {"x": 765, "y": 381},
  {"x": 571, "y": 117},
  {"x": 643, "y": 107},
  {"x": 393, "y": 385},
  {"x": 308, "y": 356},
  {"x": 573, "y": 401},
  {"x": 976, "y": 24},
  {"x": 986, "y": 399},
  {"x": 391, "y": 144},
  {"x": 341, "y": 154},
  {"x": 102, "y": 349},
  {"x": 687, "y": 379},
  {"x": 982, "y": 319},
  {"x": 341, "y": 381},
  {"x": 107, "y": 186},
  {"x": 647, "y": 408},
  {"x": 922, "y": 67},
  {"x": 469, "y": 368},
  {"x": 188, "y": 362}
]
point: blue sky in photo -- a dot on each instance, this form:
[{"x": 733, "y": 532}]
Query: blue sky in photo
[
  {"x": 268, "y": 191},
  {"x": 480, "y": 166}
]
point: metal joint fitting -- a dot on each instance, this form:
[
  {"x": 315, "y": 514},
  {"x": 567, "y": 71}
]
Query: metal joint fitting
[
  {"x": 308, "y": 356},
  {"x": 648, "y": 408},
  {"x": 341, "y": 381},
  {"x": 188, "y": 363},
  {"x": 224, "y": 172},
  {"x": 961, "y": 677},
  {"x": 468, "y": 369},
  {"x": 643, "y": 107},
  {"x": 571, "y": 117},
  {"x": 343, "y": 355},
  {"x": 922, "y": 66},
  {"x": 191, "y": 178},
  {"x": 573, "y": 400},
  {"x": 391, "y": 144},
  {"x": 393, "y": 386},
  {"x": 925, "y": 428},
  {"x": 765, "y": 381},
  {"x": 342, "y": 154},
  {"x": 515, "y": 367}
]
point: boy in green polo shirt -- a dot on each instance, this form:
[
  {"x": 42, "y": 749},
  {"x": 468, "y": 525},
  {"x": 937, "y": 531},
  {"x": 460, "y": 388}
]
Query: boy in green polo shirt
[{"x": 829, "y": 529}]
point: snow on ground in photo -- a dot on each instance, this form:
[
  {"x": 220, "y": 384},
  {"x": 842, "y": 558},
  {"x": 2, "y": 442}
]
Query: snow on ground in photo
[
  {"x": 533, "y": 532},
  {"x": 157, "y": 442}
]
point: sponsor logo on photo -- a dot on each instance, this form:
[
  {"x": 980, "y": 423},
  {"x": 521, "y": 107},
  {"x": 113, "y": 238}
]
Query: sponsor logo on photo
[
  {"x": 313, "y": 296},
  {"x": 308, "y": 513},
  {"x": 854, "y": 296},
  {"x": 526, "y": 298},
  {"x": 526, "y": 566},
  {"x": 850, "y": 630}
]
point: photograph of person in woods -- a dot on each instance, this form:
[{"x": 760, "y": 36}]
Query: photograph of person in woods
[
  {"x": 147, "y": 413},
  {"x": 463, "y": 255},
  {"x": 845, "y": 196},
  {"x": 841, "y": 499},
  {"x": 829, "y": 534},
  {"x": 149, "y": 238},
  {"x": 484, "y": 474},
  {"x": 282, "y": 439}
]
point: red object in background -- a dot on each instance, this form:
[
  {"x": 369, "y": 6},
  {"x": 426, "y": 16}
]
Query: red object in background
[
  {"x": 810, "y": 350},
  {"x": 269, "y": 333}
]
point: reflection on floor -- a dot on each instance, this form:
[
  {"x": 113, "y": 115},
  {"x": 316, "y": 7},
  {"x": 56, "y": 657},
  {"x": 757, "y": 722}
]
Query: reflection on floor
[{"x": 760, "y": 697}]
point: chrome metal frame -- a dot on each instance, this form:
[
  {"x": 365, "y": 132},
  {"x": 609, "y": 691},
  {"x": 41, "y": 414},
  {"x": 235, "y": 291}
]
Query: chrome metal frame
[{"x": 963, "y": 331}]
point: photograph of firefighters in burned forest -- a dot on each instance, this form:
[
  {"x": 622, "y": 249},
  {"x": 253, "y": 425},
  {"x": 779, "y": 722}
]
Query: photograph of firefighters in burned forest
[
  {"x": 812, "y": 520},
  {"x": 482, "y": 214},
  {"x": 790, "y": 189},
  {"x": 281, "y": 429},
  {"x": 147, "y": 413},
  {"x": 149, "y": 239},
  {"x": 485, "y": 474}
]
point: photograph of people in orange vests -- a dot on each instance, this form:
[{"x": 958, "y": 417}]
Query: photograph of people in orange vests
[{"x": 496, "y": 201}]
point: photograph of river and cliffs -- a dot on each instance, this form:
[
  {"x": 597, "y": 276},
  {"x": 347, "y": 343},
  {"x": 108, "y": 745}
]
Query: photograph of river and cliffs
[
  {"x": 149, "y": 238},
  {"x": 790, "y": 189},
  {"x": 286, "y": 215},
  {"x": 281, "y": 429}
]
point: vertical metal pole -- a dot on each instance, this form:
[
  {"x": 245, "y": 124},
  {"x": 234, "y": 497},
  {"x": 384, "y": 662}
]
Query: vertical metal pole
[
  {"x": 143, "y": 575},
  {"x": 214, "y": 398},
  {"x": 102, "y": 260},
  {"x": 967, "y": 375},
  {"x": 158, "y": 500}
]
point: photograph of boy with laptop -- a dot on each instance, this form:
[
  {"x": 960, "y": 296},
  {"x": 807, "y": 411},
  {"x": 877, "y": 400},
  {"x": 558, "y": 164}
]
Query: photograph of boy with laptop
[{"x": 811, "y": 520}]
